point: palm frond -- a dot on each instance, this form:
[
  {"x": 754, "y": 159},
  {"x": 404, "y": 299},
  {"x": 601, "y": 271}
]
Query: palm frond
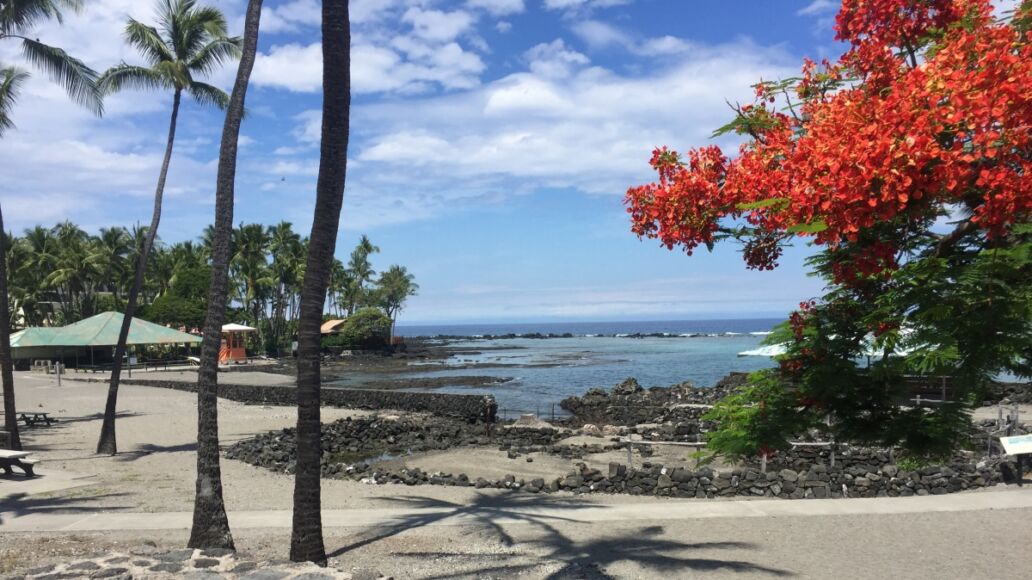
[
  {"x": 206, "y": 94},
  {"x": 175, "y": 72},
  {"x": 148, "y": 41},
  {"x": 198, "y": 27},
  {"x": 211, "y": 20},
  {"x": 21, "y": 15},
  {"x": 79, "y": 80},
  {"x": 127, "y": 76},
  {"x": 214, "y": 54},
  {"x": 11, "y": 80}
]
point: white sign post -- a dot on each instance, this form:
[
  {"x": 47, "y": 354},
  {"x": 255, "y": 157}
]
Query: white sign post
[{"x": 1018, "y": 446}]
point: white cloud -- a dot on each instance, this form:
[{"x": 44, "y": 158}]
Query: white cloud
[
  {"x": 590, "y": 129},
  {"x": 290, "y": 66},
  {"x": 818, "y": 7},
  {"x": 574, "y": 5},
  {"x": 664, "y": 45},
  {"x": 554, "y": 59},
  {"x": 498, "y": 7},
  {"x": 503, "y": 26},
  {"x": 291, "y": 16},
  {"x": 435, "y": 25},
  {"x": 601, "y": 35},
  {"x": 365, "y": 11},
  {"x": 373, "y": 68}
]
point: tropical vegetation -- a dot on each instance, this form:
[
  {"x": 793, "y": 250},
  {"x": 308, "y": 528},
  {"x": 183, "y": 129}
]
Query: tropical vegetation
[
  {"x": 60, "y": 274},
  {"x": 905, "y": 164}
]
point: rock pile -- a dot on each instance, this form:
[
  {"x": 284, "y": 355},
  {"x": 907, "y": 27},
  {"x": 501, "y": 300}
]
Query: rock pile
[
  {"x": 1009, "y": 393},
  {"x": 815, "y": 482},
  {"x": 818, "y": 481},
  {"x": 628, "y": 403},
  {"x": 355, "y": 442}
]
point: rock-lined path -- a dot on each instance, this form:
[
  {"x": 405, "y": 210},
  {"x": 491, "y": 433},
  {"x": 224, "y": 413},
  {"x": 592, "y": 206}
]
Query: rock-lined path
[{"x": 500, "y": 513}]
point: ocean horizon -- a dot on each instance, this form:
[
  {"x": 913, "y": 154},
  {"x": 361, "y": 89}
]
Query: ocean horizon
[
  {"x": 539, "y": 373},
  {"x": 715, "y": 326}
]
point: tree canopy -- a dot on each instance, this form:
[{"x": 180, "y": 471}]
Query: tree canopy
[{"x": 905, "y": 164}]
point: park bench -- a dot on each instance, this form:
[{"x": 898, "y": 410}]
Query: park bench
[
  {"x": 33, "y": 418},
  {"x": 20, "y": 459}
]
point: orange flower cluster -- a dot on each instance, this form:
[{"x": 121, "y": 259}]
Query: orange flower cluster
[{"x": 938, "y": 119}]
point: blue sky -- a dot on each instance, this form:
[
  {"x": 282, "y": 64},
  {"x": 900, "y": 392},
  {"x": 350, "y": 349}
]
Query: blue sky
[{"x": 492, "y": 142}]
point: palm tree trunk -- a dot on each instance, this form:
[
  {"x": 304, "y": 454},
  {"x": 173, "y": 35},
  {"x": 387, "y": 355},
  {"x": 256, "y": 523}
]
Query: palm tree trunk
[
  {"x": 6, "y": 370},
  {"x": 306, "y": 541},
  {"x": 106, "y": 444},
  {"x": 210, "y": 524}
]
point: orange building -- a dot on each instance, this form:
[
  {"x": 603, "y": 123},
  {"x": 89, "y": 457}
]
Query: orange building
[{"x": 234, "y": 343}]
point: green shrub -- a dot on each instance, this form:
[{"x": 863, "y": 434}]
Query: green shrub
[{"x": 368, "y": 328}]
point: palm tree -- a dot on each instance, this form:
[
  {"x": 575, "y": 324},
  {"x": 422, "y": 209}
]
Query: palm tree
[
  {"x": 10, "y": 410},
  {"x": 360, "y": 271},
  {"x": 251, "y": 244},
  {"x": 210, "y": 525},
  {"x": 11, "y": 80},
  {"x": 283, "y": 245},
  {"x": 18, "y": 18},
  {"x": 306, "y": 541},
  {"x": 108, "y": 255},
  {"x": 190, "y": 40},
  {"x": 393, "y": 288}
]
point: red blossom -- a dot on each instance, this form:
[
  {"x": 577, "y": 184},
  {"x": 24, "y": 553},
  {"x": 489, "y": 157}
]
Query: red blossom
[{"x": 918, "y": 135}]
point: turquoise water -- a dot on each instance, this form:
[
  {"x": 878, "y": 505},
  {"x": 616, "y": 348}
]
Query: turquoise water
[{"x": 547, "y": 371}]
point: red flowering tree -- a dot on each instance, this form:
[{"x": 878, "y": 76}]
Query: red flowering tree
[{"x": 906, "y": 163}]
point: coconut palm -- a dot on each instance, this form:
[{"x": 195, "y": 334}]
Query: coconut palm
[
  {"x": 190, "y": 41},
  {"x": 108, "y": 255},
  {"x": 18, "y": 19},
  {"x": 284, "y": 244},
  {"x": 306, "y": 541},
  {"x": 210, "y": 525},
  {"x": 392, "y": 289},
  {"x": 360, "y": 271}
]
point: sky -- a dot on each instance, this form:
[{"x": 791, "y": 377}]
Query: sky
[{"x": 492, "y": 142}]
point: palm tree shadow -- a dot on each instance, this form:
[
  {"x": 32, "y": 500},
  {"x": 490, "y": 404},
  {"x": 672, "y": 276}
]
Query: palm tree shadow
[
  {"x": 488, "y": 510},
  {"x": 576, "y": 559},
  {"x": 150, "y": 448},
  {"x": 17, "y": 505}
]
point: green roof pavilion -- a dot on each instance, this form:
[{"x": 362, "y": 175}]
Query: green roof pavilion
[{"x": 95, "y": 331}]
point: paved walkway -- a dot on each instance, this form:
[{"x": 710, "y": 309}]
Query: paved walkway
[{"x": 500, "y": 511}]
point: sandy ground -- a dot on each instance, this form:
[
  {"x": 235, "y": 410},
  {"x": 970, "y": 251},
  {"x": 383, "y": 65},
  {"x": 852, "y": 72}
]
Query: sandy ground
[{"x": 156, "y": 467}]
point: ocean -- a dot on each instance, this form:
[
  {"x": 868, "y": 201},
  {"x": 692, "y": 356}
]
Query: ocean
[{"x": 599, "y": 354}]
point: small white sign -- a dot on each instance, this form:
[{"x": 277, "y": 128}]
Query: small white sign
[{"x": 1017, "y": 445}]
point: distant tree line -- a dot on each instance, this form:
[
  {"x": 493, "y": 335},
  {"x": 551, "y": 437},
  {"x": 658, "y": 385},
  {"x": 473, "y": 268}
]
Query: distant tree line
[{"x": 63, "y": 274}]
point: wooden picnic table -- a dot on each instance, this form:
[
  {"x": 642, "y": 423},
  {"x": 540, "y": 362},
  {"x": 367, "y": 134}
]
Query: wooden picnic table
[
  {"x": 33, "y": 418},
  {"x": 20, "y": 459}
]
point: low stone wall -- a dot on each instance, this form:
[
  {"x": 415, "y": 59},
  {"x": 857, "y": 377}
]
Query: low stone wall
[
  {"x": 814, "y": 482},
  {"x": 467, "y": 407}
]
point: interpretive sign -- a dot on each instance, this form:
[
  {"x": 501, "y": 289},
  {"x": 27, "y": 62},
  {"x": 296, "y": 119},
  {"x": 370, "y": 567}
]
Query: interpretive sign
[{"x": 1017, "y": 445}]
